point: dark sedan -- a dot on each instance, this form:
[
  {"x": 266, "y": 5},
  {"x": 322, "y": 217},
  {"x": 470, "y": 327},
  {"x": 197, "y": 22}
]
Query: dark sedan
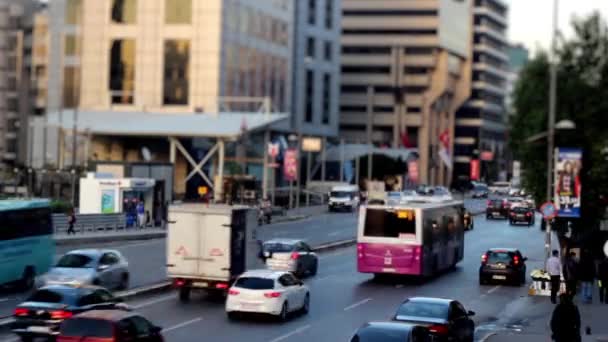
[
  {"x": 503, "y": 264},
  {"x": 391, "y": 332},
  {"x": 497, "y": 208},
  {"x": 521, "y": 214},
  {"x": 446, "y": 319},
  {"x": 45, "y": 310}
]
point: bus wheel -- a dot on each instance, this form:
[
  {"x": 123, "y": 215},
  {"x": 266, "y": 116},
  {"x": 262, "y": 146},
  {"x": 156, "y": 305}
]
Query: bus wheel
[{"x": 29, "y": 278}]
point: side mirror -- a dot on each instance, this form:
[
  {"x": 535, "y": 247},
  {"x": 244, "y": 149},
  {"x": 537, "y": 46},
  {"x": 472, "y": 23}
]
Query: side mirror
[{"x": 471, "y": 313}]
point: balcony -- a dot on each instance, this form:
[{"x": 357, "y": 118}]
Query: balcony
[
  {"x": 490, "y": 69},
  {"x": 492, "y": 51},
  {"x": 420, "y": 61},
  {"x": 367, "y": 60},
  {"x": 366, "y": 79},
  {"x": 494, "y": 34},
  {"x": 361, "y": 99},
  {"x": 417, "y": 80},
  {"x": 485, "y": 11},
  {"x": 481, "y": 85},
  {"x": 487, "y": 106}
]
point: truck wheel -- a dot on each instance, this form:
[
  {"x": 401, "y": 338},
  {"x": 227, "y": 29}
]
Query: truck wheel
[{"x": 184, "y": 294}]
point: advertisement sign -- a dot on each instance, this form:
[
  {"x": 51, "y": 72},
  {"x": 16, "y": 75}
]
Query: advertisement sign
[
  {"x": 290, "y": 165},
  {"x": 412, "y": 171},
  {"x": 475, "y": 170},
  {"x": 311, "y": 144},
  {"x": 273, "y": 150},
  {"x": 568, "y": 163},
  {"x": 516, "y": 179},
  {"x": 107, "y": 201},
  {"x": 487, "y": 155}
]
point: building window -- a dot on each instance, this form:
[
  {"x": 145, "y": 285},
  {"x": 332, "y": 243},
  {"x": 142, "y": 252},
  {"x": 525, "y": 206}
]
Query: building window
[
  {"x": 123, "y": 11},
  {"x": 71, "y": 80},
  {"x": 73, "y": 11},
  {"x": 328, "y": 51},
  {"x": 122, "y": 71},
  {"x": 178, "y": 11},
  {"x": 176, "y": 71},
  {"x": 329, "y": 14},
  {"x": 310, "y": 80},
  {"x": 326, "y": 98},
  {"x": 70, "y": 45},
  {"x": 312, "y": 12},
  {"x": 310, "y": 47}
]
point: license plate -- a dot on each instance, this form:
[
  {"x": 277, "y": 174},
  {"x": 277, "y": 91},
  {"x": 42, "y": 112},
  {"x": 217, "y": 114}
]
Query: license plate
[
  {"x": 388, "y": 261},
  {"x": 520, "y": 216},
  {"x": 496, "y": 214},
  {"x": 250, "y": 306},
  {"x": 39, "y": 329},
  {"x": 389, "y": 270},
  {"x": 201, "y": 284},
  {"x": 499, "y": 277}
]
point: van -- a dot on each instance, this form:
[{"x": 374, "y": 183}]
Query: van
[{"x": 344, "y": 197}]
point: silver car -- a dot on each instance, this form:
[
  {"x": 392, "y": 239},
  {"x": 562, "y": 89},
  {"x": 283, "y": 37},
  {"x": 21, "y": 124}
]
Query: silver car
[
  {"x": 290, "y": 255},
  {"x": 101, "y": 267}
]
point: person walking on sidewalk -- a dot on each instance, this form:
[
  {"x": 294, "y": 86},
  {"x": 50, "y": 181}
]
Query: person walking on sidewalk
[
  {"x": 570, "y": 274},
  {"x": 554, "y": 268},
  {"x": 587, "y": 276},
  {"x": 602, "y": 276},
  {"x": 71, "y": 223},
  {"x": 566, "y": 321}
]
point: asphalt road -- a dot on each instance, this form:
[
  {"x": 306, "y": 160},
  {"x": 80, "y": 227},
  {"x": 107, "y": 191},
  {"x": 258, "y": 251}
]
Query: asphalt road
[
  {"x": 147, "y": 259},
  {"x": 342, "y": 299}
]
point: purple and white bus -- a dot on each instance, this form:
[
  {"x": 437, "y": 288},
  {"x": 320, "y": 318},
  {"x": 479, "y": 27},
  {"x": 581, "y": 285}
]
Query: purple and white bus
[{"x": 413, "y": 238}]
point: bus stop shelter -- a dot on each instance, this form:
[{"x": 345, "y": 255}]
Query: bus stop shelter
[{"x": 220, "y": 127}]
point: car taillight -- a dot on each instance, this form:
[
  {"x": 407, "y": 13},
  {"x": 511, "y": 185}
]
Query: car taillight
[
  {"x": 516, "y": 260},
  {"x": 179, "y": 282},
  {"x": 221, "y": 286},
  {"x": 60, "y": 314},
  {"x": 484, "y": 258},
  {"x": 20, "y": 312},
  {"x": 272, "y": 294},
  {"x": 528, "y": 214},
  {"x": 233, "y": 292},
  {"x": 512, "y": 214},
  {"x": 295, "y": 256},
  {"x": 439, "y": 329}
]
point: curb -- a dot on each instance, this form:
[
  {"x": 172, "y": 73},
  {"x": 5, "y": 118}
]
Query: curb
[
  {"x": 487, "y": 337},
  {"x": 109, "y": 238},
  {"x": 334, "y": 245},
  {"x": 129, "y": 294}
]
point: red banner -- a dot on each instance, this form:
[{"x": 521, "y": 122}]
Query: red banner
[
  {"x": 412, "y": 171},
  {"x": 290, "y": 165},
  {"x": 475, "y": 170}
]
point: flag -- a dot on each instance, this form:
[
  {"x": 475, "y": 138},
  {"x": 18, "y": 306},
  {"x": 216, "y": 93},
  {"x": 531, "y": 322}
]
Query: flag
[
  {"x": 444, "y": 148},
  {"x": 405, "y": 139}
]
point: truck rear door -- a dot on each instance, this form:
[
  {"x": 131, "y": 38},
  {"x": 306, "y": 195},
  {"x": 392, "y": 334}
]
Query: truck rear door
[
  {"x": 183, "y": 243},
  {"x": 214, "y": 242}
]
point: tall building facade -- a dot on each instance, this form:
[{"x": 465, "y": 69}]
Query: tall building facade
[
  {"x": 481, "y": 125},
  {"x": 316, "y": 67},
  {"x": 16, "y": 21},
  {"x": 518, "y": 58},
  {"x": 406, "y": 69}
]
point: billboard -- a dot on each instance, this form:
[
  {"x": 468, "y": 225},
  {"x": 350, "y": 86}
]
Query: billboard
[
  {"x": 107, "y": 201},
  {"x": 290, "y": 165},
  {"x": 568, "y": 163}
]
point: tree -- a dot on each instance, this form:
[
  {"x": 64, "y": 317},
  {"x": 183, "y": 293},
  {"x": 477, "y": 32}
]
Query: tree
[{"x": 582, "y": 96}]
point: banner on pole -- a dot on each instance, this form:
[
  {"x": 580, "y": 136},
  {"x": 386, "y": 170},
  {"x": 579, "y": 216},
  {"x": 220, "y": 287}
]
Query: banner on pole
[
  {"x": 475, "y": 170},
  {"x": 412, "y": 171},
  {"x": 567, "y": 189},
  {"x": 444, "y": 148},
  {"x": 290, "y": 165}
]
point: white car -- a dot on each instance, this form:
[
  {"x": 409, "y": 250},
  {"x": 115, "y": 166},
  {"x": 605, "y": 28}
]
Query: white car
[{"x": 267, "y": 292}]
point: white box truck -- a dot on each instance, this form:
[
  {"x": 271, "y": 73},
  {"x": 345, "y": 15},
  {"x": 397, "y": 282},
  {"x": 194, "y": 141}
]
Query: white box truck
[{"x": 208, "y": 246}]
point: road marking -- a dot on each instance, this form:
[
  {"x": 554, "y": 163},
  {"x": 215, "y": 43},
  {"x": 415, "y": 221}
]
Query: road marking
[
  {"x": 4, "y": 299},
  {"x": 494, "y": 289},
  {"x": 183, "y": 324},
  {"x": 140, "y": 244},
  {"x": 350, "y": 307},
  {"x": 155, "y": 301},
  {"x": 288, "y": 335}
]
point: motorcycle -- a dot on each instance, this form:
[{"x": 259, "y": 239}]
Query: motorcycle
[{"x": 264, "y": 212}]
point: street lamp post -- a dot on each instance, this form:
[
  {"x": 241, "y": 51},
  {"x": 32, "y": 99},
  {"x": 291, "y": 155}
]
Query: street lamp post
[
  {"x": 551, "y": 121},
  {"x": 16, "y": 171}
]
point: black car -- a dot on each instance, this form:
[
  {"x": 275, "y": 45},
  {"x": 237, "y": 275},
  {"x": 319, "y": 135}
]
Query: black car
[
  {"x": 497, "y": 208},
  {"x": 391, "y": 332},
  {"x": 521, "y": 214},
  {"x": 45, "y": 310},
  {"x": 446, "y": 319},
  {"x": 503, "y": 264}
]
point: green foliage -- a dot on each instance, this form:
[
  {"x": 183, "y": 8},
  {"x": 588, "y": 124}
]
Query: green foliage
[
  {"x": 582, "y": 96},
  {"x": 60, "y": 206}
]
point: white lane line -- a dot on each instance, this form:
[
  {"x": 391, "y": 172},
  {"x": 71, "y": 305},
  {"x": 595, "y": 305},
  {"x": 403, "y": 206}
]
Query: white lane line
[
  {"x": 13, "y": 339},
  {"x": 139, "y": 244},
  {"x": 359, "y": 303},
  {"x": 288, "y": 335},
  {"x": 4, "y": 299},
  {"x": 183, "y": 324},
  {"x": 494, "y": 289},
  {"x": 155, "y": 301}
]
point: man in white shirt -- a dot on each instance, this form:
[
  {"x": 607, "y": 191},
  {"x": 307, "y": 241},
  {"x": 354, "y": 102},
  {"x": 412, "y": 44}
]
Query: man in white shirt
[{"x": 554, "y": 268}]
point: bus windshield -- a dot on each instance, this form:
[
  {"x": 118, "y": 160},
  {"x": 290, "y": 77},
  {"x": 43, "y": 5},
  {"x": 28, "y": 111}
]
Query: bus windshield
[
  {"x": 341, "y": 194},
  {"x": 389, "y": 224}
]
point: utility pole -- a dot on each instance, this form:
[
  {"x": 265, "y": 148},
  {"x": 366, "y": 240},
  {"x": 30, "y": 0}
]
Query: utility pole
[
  {"x": 551, "y": 123},
  {"x": 370, "y": 124}
]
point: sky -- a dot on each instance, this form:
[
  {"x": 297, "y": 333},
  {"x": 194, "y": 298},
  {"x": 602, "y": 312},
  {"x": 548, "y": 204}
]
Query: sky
[{"x": 530, "y": 21}]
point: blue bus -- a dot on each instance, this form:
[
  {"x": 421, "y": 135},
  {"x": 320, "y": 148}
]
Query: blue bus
[{"x": 27, "y": 246}]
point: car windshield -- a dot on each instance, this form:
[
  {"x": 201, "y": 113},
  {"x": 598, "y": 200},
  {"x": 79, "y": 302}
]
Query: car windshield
[
  {"x": 499, "y": 257},
  {"x": 46, "y": 296},
  {"x": 495, "y": 203},
  {"x": 423, "y": 309},
  {"x": 379, "y": 334},
  {"x": 278, "y": 247},
  {"x": 86, "y": 327},
  {"x": 520, "y": 210},
  {"x": 481, "y": 188},
  {"x": 254, "y": 283},
  {"x": 341, "y": 194},
  {"x": 75, "y": 261}
]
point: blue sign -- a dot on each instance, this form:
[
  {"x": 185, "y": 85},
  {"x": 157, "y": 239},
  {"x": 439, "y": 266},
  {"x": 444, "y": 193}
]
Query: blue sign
[
  {"x": 548, "y": 210},
  {"x": 568, "y": 164}
]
